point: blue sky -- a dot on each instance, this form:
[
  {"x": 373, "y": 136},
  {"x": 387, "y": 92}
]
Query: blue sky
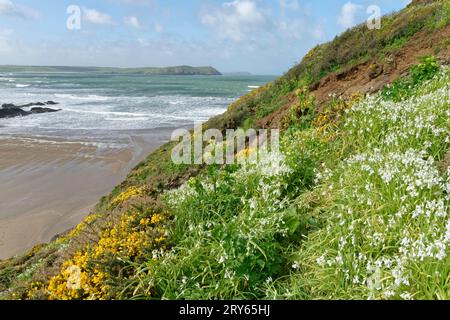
[{"x": 259, "y": 36}]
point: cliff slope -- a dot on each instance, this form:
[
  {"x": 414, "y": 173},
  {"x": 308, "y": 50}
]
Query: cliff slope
[{"x": 358, "y": 209}]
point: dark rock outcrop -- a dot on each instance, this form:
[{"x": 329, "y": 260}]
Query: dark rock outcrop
[
  {"x": 13, "y": 112},
  {"x": 43, "y": 110},
  {"x": 9, "y": 106},
  {"x": 32, "y": 105},
  {"x": 9, "y": 110}
]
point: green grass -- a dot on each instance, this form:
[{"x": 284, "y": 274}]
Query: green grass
[
  {"x": 354, "y": 46},
  {"x": 360, "y": 211},
  {"x": 405, "y": 88},
  {"x": 396, "y": 44},
  {"x": 292, "y": 216},
  {"x": 384, "y": 205}
]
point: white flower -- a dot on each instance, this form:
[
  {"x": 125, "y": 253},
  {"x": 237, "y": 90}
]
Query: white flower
[
  {"x": 321, "y": 261},
  {"x": 406, "y": 296}
]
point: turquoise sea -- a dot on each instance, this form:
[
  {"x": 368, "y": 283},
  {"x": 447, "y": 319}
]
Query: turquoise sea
[{"x": 104, "y": 107}]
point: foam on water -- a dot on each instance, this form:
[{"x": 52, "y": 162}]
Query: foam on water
[
  {"x": 91, "y": 97},
  {"x": 102, "y": 106}
]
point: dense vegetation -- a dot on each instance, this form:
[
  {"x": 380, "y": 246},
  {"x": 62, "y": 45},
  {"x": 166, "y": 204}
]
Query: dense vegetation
[
  {"x": 354, "y": 210},
  {"x": 354, "y": 206},
  {"x": 355, "y": 46}
]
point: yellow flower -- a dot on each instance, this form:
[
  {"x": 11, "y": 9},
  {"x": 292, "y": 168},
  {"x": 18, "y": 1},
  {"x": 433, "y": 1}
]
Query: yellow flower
[
  {"x": 156, "y": 218},
  {"x": 79, "y": 228},
  {"x": 128, "y": 194},
  {"x": 160, "y": 239},
  {"x": 129, "y": 238}
]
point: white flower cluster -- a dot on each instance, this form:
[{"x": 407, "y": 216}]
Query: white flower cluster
[
  {"x": 416, "y": 121},
  {"x": 258, "y": 218},
  {"x": 393, "y": 217}
]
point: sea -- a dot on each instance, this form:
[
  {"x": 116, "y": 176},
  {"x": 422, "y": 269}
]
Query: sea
[{"x": 105, "y": 108}]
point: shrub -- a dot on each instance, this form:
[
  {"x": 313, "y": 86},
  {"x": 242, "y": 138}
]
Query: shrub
[
  {"x": 404, "y": 88},
  {"x": 302, "y": 112},
  {"x": 426, "y": 70},
  {"x": 98, "y": 270}
]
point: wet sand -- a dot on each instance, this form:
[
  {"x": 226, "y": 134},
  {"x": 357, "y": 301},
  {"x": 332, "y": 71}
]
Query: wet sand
[{"x": 48, "y": 186}]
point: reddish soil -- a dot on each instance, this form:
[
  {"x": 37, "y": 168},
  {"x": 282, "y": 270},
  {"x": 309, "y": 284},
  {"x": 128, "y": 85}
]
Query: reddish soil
[{"x": 370, "y": 76}]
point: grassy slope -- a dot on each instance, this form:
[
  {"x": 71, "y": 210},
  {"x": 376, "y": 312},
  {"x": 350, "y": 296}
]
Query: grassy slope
[
  {"x": 118, "y": 270},
  {"x": 358, "y": 209}
]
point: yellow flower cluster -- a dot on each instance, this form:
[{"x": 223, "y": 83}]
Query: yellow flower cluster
[
  {"x": 311, "y": 53},
  {"x": 79, "y": 228},
  {"x": 330, "y": 116},
  {"x": 82, "y": 226},
  {"x": 82, "y": 277},
  {"x": 77, "y": 281},
  {"x": 131, "y": 192},
  {"x": 34, "y": 288}
]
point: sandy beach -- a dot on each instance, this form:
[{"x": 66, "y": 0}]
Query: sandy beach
[
  {"x": 47, "y": 186},
  {"x": 55, "y": 166}
]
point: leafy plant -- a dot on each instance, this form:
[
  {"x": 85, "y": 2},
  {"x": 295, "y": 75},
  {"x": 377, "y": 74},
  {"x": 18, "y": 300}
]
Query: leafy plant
[
  {"x": 302, "y": 112},
  {"x": 404, "y": 88},
  {"x": 426, "y": 70}
]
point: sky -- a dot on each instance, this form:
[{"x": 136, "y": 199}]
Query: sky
[{"x": 257, "y": 36}]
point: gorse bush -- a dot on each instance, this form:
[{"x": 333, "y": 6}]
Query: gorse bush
[
  {"x": 331, "y": 113},
  {"x": 97, "y": 271}
]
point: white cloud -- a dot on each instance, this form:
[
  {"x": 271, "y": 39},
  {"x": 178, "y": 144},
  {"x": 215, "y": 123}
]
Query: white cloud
[
  {"x": 293, "y": 28},
  {"x": 132, "y": 21},
  {"x": 140, "y": 2},
  {"x": 158, "y": 28},
  {"x": 97, "y": 17},
  {"x": 300, "y": 29},
  {"x": 289, "y": 4},
  {"x": 6, "y": 45},
  {"x": 318, "y": 32},
  {"x": 143, "y": 42},
  {"x": 349, "y": 12},
  {"x": 8, "y": 8},
  {"x": 235, "y": 20}
]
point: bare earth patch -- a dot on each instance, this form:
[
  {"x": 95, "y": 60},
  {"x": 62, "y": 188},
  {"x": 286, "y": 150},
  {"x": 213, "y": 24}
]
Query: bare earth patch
[{"x": 370, "y": 76}]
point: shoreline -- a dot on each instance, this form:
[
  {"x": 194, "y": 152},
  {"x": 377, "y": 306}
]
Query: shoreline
[{"x": 48, "y": 186}]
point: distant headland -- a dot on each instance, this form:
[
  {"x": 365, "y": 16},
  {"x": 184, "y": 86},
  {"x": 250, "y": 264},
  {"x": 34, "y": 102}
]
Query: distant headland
[{"x": 177, "y": 70}]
